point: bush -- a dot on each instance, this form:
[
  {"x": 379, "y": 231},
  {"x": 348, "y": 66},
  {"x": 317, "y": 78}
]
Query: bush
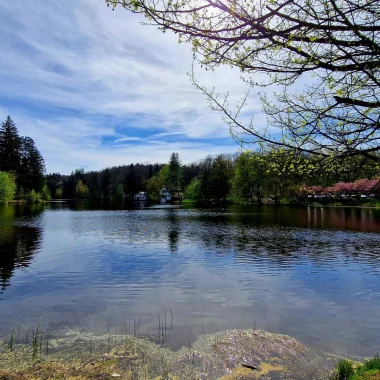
[
  {"x": 59, "y": 192},
  {"x": 33, "y": 197},
  {"x": 45, "y": 194},
  {"x": 372, "y": 364},
  {"x": 344, "y": 370},
  {"x": 20, "y": 195},
  {"x": 154, "y": 186},
  {"x": 193, "y": 191},
  {"x": 369, "y": 370},
  {"x": 7, "y": 187}
]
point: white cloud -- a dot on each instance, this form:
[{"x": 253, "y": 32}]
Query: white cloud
[
  {"x": 75, "y": 74},
  {"x": 128, "y": 139}
]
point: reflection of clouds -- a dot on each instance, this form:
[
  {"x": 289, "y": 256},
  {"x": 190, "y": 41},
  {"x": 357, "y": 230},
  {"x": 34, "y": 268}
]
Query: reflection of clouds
[{"x": 98, "y": 268}]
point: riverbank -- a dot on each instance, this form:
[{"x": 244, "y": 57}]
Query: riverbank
[
  {"x": 234, "y": 354},
  {"x": 373, "y": 203}
]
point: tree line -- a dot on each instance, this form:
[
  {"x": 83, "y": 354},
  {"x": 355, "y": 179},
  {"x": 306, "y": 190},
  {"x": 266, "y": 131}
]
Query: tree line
[
  {"x": 120, "y": 183},
  {"x": 276, "y": 174},
  {"x": 280, "y": 174},
  {"x": 248, "y": 177},
  {"x": 108, "y": 185},
  {"x": 22, "y": 167}
]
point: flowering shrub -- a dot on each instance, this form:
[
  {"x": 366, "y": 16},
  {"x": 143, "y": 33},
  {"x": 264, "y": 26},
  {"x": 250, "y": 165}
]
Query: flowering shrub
[{"x": 360, "y": 186}]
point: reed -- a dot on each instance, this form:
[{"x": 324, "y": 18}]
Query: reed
[
  {"x": 35, "y": 342},
  {"x": 11, "y": 340},
  {"x": 164, "y": 326}
]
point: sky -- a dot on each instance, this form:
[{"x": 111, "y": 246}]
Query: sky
[{"x": 95, "y": 88}]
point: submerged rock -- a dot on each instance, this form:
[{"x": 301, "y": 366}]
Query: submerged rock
[{"x": 234, "y": 354}]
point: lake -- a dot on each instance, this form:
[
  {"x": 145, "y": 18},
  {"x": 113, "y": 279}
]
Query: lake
[{"x": 313, "y": 273}]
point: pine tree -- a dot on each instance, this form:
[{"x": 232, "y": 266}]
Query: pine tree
[
  {"x": 32, "y": 168},
  {"x": 150, "y": 171},
  {"x": 132, "y": 181},
  {"x": 10, "y": 144},
  {"x": 175, "y": 174}
]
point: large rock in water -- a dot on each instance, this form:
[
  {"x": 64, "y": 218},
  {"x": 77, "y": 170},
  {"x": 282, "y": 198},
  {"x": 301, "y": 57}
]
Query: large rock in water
[{"x": 252, "y": 354}]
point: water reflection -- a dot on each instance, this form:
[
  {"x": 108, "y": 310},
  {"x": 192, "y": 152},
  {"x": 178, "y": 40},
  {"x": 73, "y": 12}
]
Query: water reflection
[
  {"x": 18, "y": 242},
  {"x": 306, "y": 272},
  {"x": 173, "y": 230}
]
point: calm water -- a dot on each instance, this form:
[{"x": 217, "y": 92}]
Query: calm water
[{"x": 311, "y": 273}]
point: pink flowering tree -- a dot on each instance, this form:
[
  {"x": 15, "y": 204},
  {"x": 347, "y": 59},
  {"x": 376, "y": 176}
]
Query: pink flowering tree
[
  {"x": 315, "y": 190},
  {"x": 360, "y": 186},
  {"x": 365, "y": 186},
  {"x": 341, "y": 188}
]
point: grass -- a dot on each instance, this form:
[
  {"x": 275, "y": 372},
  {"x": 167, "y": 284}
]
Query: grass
[
  {"x": 349, "y": 370},
  {"x": 75, "y": 357}
]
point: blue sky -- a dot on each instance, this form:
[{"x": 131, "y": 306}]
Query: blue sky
[{"x": 95, "y": 88}]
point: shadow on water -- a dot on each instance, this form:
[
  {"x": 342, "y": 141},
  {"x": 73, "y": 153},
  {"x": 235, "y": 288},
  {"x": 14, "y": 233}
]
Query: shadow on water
[{"x": 19, "y": 242}]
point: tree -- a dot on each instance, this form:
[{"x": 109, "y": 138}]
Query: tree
[
  {"x": 59, "y": 192},
  {"x": 205, "y": 179},
  {"x": 154, "y": 186},
  {"x": 174, "y": 179},
  {"x": 70, "y": 185},
  {"x": 193, "y": 191},
  {"x": 119, "y": 195},
  {"x": 220, "y": 183},
  {"x": 82, "y": 191},
  {"x": 244, "y": 178},
  {"x": 329, "y": 51},
  {"x": 79, "y": 173},
  {"x": 10, "y": 145},
  {"x": 7, "y": 187},
  {"x": 45, "y": 193},
  {"x": 132, "y": 181},
  {"x": 150, "y": 171},
  {"x": 33, "y": 197},
  {"x": 32, "y": 167}
]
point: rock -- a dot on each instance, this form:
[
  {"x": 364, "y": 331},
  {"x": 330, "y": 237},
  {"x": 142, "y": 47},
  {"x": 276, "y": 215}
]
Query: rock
[
  {"x": 253, "y": 354},
  {"x": 231, "y": 355}
]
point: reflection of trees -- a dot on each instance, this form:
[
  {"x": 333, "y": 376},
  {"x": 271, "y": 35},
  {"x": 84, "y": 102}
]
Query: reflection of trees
[
  {"x": 18, "y": 244},
  {"x": 173, "y": 230},
  {"x": 290, "y": 237}
]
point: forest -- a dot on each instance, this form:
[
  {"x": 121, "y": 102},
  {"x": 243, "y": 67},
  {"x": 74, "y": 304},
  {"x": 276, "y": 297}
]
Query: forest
[
  {"x": 278, "y": 175},
  {"x": 22, "y": 167},
  {"x": 247, "y": 177}
]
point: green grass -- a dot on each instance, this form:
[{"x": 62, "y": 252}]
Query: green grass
[
  {"x": 348, "y": 370},
  {"x": 344, "y": 370}
]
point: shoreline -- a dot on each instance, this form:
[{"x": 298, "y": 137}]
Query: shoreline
[
  {"x": 224, "y": 204},
  {"x": 228, "y": 355}
]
